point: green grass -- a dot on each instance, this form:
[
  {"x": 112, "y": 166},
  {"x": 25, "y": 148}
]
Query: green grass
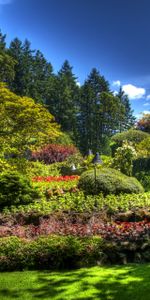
[{"x": 119, "y": 282}]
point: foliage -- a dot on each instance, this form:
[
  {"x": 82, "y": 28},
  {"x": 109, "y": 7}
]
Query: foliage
[
  {"x": 141, "y": 164},
  {"x": 108, "y": 181},
  {"x": 143, "y": 148},
  {"x": 144, "y": 123},
  {"x": 64, "y": 139},
  {"x": 81, "y": 226},
  {"x": 15, "y": 189},
  {"x": 79, "y": 202},
  {"x": 33, "y": 74},
  {"x": 123, "y": 159},
  {"x": 89, "y": 114},
  {"x": 128, "y": 120},
  {"x": 37, "y": 168},
  {"x": 53, "y": 252},
  {"x": 5, "y": 165},
  {"x": 23, "y": 123},
  {"x": 144, "y": 178},
  {"x": 131, "y": 135},
  {"x": 53, "y": 153},
  {"x": 7, "y": 63}
]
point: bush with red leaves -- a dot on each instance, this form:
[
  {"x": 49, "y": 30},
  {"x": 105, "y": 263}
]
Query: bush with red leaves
[{"x": 54, "y": 153}]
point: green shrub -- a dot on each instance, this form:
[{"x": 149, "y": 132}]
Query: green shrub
[
  {"x": 37, "y": 168},
  {"x": 80, "y": 203},
  {"x": 108, "y": 181},
  {"x": 53, "y": 252},
  {"x": 141, "y": 164},
  {"x": 131, "y": 135},
  {"x": 15, "y": 189},
  {"x": 144, "y": 178}
]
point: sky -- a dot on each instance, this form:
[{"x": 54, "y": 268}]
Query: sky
[{"x": 110, "y": 35}]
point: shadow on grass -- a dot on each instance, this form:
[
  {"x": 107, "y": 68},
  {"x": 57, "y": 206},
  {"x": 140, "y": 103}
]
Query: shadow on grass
[{"x": 115, "y": 283}]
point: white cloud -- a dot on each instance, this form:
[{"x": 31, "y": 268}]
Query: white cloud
[
  {"x": 146, "y": 104},
  {"x": 146, "y": 112},
  {"x": 4, "y": 2},
  {"x": 148, "y": 97},
  {"x": 116, "y": 83},
  {"x": 115, "y": 93},
  {"x": 78, "y": 83},
  {"x": 133, "y": 91}
]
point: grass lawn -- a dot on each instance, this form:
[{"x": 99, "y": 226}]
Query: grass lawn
[{"x": 119, "y": 283}]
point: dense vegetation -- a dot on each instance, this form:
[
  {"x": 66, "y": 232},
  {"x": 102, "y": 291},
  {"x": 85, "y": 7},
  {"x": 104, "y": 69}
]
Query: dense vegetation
[
  {"x": 89, "y": 113},
  {"x": 60, "y": 206}
]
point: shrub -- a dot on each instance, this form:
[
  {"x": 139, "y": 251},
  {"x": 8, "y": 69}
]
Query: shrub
[
  {"x": 144, "y": 178},
  {"x": 131, "y": 135},
  {"x": 64, "y": 139},
  {"x": 4, "y": 165},
  {"x": 80, "y": 203},
  {"x": 37, "y": 168},
  {"x": 51, "y": 252},
  {"x": 15, "y": 189},
  {"x": 141, "y": 164},
  {"x": 54, "y": 153},
  {"x": 123, "y": 159},
  {"x": 108, "y": 181}
]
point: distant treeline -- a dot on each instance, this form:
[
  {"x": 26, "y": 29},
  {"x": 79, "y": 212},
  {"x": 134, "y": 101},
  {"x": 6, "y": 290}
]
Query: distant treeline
[{"x": 90, "y": 113}]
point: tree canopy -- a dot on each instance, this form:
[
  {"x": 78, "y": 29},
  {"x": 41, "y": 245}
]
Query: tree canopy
[{"x": 24, "y": 123}]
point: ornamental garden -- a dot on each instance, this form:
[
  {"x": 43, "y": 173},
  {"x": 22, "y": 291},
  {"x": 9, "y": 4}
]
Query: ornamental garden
[{"x": 59, "y": 207}]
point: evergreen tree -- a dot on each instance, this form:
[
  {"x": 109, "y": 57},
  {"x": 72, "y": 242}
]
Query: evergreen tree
[
  {"x": 128, "y": 120},
  {"x": 42, "y": 78},
  {"x": 33, "y": 74},
  {"x": 2, "y": 42},
  {"x": 90, "y": 119},
  {"x": 19, "y": 86},
  {"x": 7, "y": 63},
  {"x": 66, "y": 98}
]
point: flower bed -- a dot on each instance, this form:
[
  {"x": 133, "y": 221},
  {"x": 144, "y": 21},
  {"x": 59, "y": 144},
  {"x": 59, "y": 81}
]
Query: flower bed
[
  {"x": 77, "y": 225},
  {"x": 55, "y": 178}
]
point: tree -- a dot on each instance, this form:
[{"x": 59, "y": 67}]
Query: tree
[
  {"x": 33, "y": 74},
  {"x": 22, "y": 53},
  {"x": 7, "y": 63},
  {"x": 99, "y": 113},
  {"x": 42, "y": 79},
  {"x": 66, "y": 98},
  {"x": 23, "y": 123},
  {"x": 128, "y": 119},
  {"x": 144, "y": 123},
  {"x": 2, "y": 41}
]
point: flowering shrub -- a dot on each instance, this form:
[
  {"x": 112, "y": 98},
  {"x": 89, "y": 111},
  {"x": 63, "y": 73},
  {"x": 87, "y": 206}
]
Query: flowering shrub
[
  {"x": 54, "y": 153},
  {"x": 55, "y": 178},
  {"x": 123, "y": 160}
]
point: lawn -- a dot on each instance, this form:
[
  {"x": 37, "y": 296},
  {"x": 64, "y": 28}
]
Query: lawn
[{"x": 119, "y": 282}]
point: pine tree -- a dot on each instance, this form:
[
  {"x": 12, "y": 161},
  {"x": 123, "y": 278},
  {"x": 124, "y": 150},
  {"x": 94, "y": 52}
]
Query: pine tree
[
  {"x": 128, "y": 120},
  {"x": 16, "y": 51},
  {"x": 41, "y": 85},
  {"x": 67, "y": 97},
  {"x": 90, "y": 119},
  {"x": 7, "y": 63}
]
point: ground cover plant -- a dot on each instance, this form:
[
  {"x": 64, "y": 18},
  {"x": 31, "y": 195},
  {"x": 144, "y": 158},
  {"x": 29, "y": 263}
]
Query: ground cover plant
[{"x": 77, "y": 201}]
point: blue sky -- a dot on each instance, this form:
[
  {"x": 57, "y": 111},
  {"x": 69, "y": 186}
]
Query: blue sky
[{"x": 111, "y": 35}]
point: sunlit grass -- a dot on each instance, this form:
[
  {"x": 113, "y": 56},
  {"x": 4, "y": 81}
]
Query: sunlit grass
[{"x": 119, "y": 282}]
